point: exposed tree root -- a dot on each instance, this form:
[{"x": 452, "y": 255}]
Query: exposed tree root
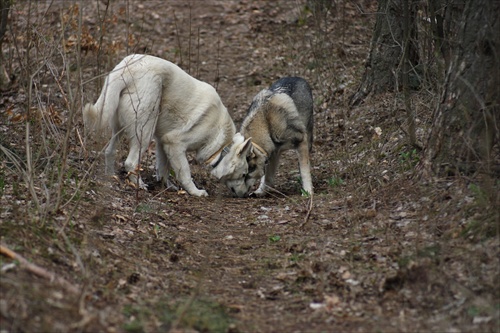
[{"x": 39, "y": 271}]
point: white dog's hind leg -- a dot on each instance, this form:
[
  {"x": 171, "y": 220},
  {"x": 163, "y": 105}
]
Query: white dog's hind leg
[
  {"x": 141, "y": 111},
  {"x": 163, "y": 167},
  {"x": 131, "y": 163},
  {"x": 109, "y": 153}
]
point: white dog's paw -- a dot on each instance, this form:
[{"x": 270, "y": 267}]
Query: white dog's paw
[{"x": 198, "y": 193}]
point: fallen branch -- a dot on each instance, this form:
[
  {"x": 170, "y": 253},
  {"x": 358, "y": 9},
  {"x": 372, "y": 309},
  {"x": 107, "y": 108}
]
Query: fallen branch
[
  {"x": 309, "y": 209},
  {"x": 37, "y": 270}
]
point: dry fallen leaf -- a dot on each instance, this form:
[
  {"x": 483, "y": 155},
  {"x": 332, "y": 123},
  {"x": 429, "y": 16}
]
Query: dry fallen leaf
[
  {"x": 331, "y": 301},
  {"x": 120, "y": 217}
]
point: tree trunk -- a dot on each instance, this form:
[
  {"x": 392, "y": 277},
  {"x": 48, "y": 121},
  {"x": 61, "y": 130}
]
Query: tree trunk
[
  {"x": 383, "y": 68},
  {"x": 4, "y": 15},
  {"x": 466, "y": 123}
]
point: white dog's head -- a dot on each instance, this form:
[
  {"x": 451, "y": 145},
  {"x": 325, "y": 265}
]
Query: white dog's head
[{"x": 233, "y": 167}]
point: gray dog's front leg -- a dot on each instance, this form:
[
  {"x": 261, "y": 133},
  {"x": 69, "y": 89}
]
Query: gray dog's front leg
[{"x": 305, "y": 167}]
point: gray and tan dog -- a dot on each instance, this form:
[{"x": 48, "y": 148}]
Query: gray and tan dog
[
  {"x": 279, "y": 118},
  {"x": 146, "y": 98}
]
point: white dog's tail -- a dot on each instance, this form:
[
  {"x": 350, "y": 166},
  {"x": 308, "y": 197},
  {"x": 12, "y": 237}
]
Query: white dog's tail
[
  {"x": 90, "y": 117},
  {"x": 99, "y": 115}
]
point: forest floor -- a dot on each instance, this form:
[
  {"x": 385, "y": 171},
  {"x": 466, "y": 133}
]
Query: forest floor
[{"x": 376, "y": 249}]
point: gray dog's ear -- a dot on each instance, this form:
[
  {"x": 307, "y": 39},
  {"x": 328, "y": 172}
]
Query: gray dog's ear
[{"x": 245, "y": 148}]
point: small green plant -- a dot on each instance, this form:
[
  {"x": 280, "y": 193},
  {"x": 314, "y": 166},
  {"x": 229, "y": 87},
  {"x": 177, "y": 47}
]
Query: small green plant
[
  {"x": 137, "y": 315},
  {"x": 480, "y": 196},
  {"x": 156, "y": 229},
  {"x": 302, "y": 191},
  {"x": 196, "y": 314},
  {"x": 274, "y": 238},
  {"x": 134, "y": 326},
  {"x": 335, "y": 181},
  {"x": 296, "y": 257},
  {"x": 482, "y": 225},
  {"x": 409, "y": 159},
  {"x": 202, "y": 315},
  {"x": 144, "y": 208},
  {"x": 404, "y": 261},
  {"x": 208, "y": 316},
  {"x": 473, "y": 311},
  {"x": 302, "y": 20},
  {"x": 431, "y": 251}
]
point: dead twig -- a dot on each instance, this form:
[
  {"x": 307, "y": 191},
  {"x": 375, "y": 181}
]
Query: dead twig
[
  {"x": 308, "y": 214},
  {"x": 37, "y": 270}
]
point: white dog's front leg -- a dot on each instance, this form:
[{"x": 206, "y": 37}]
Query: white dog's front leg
[{"x": 180, "y": 165}]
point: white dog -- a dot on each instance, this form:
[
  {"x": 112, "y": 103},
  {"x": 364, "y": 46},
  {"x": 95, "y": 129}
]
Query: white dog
[{"x": 146, "y": 97}]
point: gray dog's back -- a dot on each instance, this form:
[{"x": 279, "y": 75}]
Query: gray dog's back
[{"x": 300, "y": 92}]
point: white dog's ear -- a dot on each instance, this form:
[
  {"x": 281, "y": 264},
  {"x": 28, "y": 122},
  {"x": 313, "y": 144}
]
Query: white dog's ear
[
  {"x": 219, "y": 171},
  {"x": 233, "y": 159},
  {"x": 245, "y": 148}
]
